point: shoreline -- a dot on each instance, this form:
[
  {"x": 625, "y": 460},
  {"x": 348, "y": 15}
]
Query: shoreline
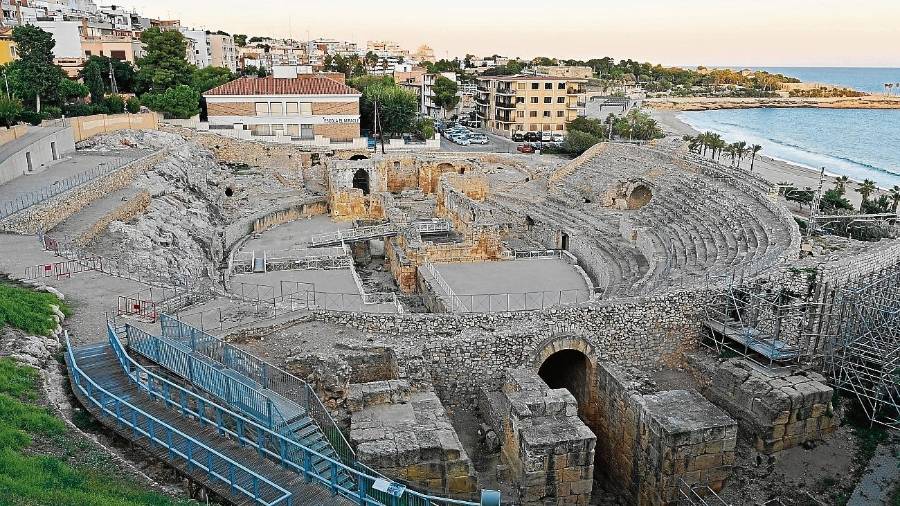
[
  {"x": 770, "y": 169},
  {"x": 715, "y": 103}
]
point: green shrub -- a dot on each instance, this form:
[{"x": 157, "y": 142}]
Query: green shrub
[
  {"x": 32, "y": 117},
  {"x": 115, "y": 104},
  {"x": 180, "y": 102},
  {"x": 577, "y": 142},
  {"x": 133, "y": 105}
]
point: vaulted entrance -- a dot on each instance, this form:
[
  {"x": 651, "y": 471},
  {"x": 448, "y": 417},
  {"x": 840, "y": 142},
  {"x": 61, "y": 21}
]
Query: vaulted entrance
[{"x": 361, "y": 180}]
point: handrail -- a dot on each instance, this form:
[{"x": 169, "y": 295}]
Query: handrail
[
  {"x": 285, "y": 449},
  {"x": 270, "y": 377},
  {"x": 113, "y": 406}
]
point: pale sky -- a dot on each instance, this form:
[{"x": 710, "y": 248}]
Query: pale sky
[{"x": 673, "y": 32}]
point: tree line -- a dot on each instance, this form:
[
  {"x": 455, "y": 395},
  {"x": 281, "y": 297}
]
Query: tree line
[{"x": 37, "y": 89}]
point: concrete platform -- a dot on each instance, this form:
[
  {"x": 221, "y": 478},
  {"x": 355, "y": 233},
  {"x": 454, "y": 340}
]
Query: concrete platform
[
  {"x": 291, "y": 239},
  {"x": 515, "y": 285}
]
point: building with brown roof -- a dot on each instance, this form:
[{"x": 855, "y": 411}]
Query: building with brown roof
[{"x": 308, "y": 109}]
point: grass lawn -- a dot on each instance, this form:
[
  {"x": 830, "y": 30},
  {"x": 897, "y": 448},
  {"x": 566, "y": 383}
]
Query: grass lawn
[
  {"x": 28, "y": 310},
  {"x": 42, "y": 461}
]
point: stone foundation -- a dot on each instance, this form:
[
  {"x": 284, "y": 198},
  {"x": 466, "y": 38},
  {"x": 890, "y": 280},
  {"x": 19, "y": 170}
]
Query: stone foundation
[
  {"x": 408, "y": 437},
  {"x": 549, "y": 450},
  {"x": 776, "y": 411}
]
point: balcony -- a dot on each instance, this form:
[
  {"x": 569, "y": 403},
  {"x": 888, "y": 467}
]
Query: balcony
[
  {"x": 576, "y": 91},
  {"x": 506, "y": 91},
  {"x": 505, "y": 104}
]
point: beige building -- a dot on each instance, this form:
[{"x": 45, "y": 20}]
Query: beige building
[
  {"x": 311, "y": 110},
  {"x": 529, "y": 103},
  {"x": 222, "y": 51}
]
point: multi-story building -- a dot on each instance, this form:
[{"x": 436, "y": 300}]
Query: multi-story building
[
  {"x": 529, "y": 103},
  {"x": 423, "y": 53},
  {"x": 387, "y": 49},
  {"x": 199, "y": 54},
  {"x": 7, "y": 46},
  {"x": 312, "y": 110},
  {"x": 222, "y": 51},
  {"x": 423, "y": 86}
]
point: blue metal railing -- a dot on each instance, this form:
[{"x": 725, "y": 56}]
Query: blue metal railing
[
  {"x": 277, "y": 447},
  {"x": 177, "y": 444},
  {"x": 263, "y": 373}
]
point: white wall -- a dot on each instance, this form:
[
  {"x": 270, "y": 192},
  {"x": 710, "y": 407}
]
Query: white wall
[
  {"x": 15, "y": 154},
  {"x": 65, "y": 33}
]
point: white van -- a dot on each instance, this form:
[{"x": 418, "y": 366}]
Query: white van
[{"x": 546, "y": 136}]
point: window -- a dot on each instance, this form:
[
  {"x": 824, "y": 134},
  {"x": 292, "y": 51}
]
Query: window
[
  {"x": 277, "y": 129},
  {"x": 261, "y": 130},
  {"x": 305, "y": 109},
  {"x": 535, "y": 86},
  {"x": 522, "y": 86},
  {"x": 548, "y": 100},
  {"x": 87, "y": 53},
  {"x": 559, "y": 128},
  {"x": 546, "y": 114},
  {"x": 306, "y": 132},
  {"x": 277, "y": 109},
  {"x": 293, "y": 130},
  {"x": 532, "y": 114},
  {"x": 560, "y": 114},
  {"x": 561, "y": 100},
  {"x": 534, "y": 100},
  {"x": 117, "y": 55},
  {"x": 520, "y": 114},
  {"x": 548, "y": 86},
  {"x": 520, "y": 100},
  {"x": 561, "y": 86},
  {"x": 262, "y": 108},
  {"x": 534, "y": 128},
  {"x": 291, "y": 108}
]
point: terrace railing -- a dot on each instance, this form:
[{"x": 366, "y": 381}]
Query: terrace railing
[{"x": 353, "y": 234}]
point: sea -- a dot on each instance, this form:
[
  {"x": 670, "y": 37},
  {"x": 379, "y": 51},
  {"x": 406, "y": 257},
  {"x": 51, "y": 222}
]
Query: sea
[{"x": 858, "y": 143}]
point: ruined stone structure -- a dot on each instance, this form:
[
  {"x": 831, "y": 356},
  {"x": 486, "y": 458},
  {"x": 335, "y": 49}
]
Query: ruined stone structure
[{"x": 570, "y": 390}]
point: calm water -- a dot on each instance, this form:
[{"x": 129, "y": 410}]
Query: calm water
[
  {"x": 870, "y": 80},
  {"x": 858, "y": 143}
]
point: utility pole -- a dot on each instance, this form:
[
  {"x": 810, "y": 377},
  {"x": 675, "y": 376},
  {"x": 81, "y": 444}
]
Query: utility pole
[
  {"x": 379, "y": 128},
  {"x": 112, "y": 79}
]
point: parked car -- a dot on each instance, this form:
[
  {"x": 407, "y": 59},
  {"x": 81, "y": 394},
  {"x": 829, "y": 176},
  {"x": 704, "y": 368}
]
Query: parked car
[
  {"x": 462, "y": 141},
  {"x": 479, "y": 139},
  {"x": 546, "y": 136},
  {"x": 558, "y": 138},
  {"x": 525, "y": 148},
  {"x": 532, "y": 136},
  {"x": 518, "y": 137}
]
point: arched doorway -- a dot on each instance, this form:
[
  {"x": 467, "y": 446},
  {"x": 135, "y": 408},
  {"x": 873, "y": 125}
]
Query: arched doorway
[
  {"x": 572, "y": 370},
  {"x": 359, "y": 157},
  {"x": 639, "y": 197},
  {"x": 361, "y": 180}
]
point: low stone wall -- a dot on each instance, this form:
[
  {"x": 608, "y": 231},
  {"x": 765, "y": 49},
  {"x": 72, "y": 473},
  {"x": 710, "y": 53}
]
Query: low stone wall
[
  {"x": 48, "y": 214},
  {"x": 125, "y": 212},
  {"x": 775, "y": 411},
  {"x": 570, "y": 168},
  {"x": 647, "y": 440},
  {"x": 468, "y": 350},
  {"x": 84, "y": 127},
  {"x": 242, "y": 228},
  {"x": 11, "y": 134},
  {"x": 294, "y": 213}
]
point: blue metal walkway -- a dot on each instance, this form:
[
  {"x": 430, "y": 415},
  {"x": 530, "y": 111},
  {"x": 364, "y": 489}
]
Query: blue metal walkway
[{"x": 232, "y": 437}]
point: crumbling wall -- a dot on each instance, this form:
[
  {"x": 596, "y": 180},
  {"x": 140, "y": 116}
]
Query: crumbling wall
[
  {"x": 776, "y": 411},
  {"x": 125, "y": 212},
  {"x": 648, "y": 440},
  {"x": 549, "y": 450},
  {"x": 296, "y": 212}
]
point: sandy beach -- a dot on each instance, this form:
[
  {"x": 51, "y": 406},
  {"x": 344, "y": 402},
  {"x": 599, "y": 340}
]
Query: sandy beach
[{"x": 773, "y": 170}]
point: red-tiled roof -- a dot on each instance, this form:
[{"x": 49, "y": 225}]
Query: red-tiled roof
[{"x": 303, "y": 85}]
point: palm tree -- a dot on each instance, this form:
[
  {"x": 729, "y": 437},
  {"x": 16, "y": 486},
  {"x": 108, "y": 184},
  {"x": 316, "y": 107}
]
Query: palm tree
[
  {"x": 840, "y": 184},
  {"x": 731, "y": 150},
  {"x": 754, "y": 149},
  {"x": 895, "y": 198},
  {"x": 865, "y": 189},
  {"x": 740, "y": 151}
]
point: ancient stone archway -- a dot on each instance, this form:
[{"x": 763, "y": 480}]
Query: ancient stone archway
[
  {"x": 639, "y": 197},
  {"x": 361, "y": 180}
]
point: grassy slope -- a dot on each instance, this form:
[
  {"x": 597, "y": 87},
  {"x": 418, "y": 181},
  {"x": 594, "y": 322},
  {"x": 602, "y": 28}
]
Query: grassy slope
[{"x": 41, "y": 461}]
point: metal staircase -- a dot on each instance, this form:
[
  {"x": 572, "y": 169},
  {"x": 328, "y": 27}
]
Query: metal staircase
[{"x": 240, "y": 449}]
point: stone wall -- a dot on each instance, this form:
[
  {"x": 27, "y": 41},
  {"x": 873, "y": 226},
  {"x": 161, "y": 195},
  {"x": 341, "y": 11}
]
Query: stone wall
[
  {"x": 254, "y": 154},
  {"x": 465, "y": 351},
  {"x": 84, "y": 127},
  {"x": 776, "y": 411},
  {"x": 48, "y": 214},
  {"x": 125, "y": 212},
  {"x": 294, "y": 213},
  {"x": 11, "y": 134},
  {"x": 648, "y": 440},
  {"x": 549, "y": 450}
]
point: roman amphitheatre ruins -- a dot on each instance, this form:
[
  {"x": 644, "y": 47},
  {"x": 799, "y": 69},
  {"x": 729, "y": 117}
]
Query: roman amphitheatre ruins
[{"x": 280, "y": 325}]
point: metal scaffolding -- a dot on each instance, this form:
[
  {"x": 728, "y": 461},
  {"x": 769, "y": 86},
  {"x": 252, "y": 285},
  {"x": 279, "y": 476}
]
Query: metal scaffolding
[
  {"x": 771, "y": 325},
  {"x": 865, "y": 361}
]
